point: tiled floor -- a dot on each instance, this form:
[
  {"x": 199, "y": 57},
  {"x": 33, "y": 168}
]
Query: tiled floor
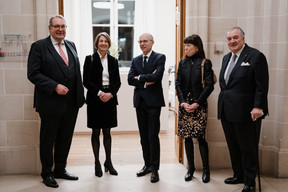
[
  {"x": 127, "y": 159},
  {"x": 171, "y": 180}
]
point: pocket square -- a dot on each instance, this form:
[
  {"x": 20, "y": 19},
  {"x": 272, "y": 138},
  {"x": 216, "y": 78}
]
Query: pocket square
[{"x": 245, "y": 64}]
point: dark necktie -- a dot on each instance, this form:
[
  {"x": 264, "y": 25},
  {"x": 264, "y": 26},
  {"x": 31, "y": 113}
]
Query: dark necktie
[
  {"x": 231, "y": 66},
  {"x": 144, "y": 61}
]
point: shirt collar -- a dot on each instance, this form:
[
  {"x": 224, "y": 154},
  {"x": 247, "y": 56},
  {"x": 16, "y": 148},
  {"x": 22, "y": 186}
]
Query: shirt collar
[
  {"x": 101, "y": 55},
  {"x": 239, "y": 52},
  {"x": 54, "y": 42},
  {"x": 148, "y": 55}
]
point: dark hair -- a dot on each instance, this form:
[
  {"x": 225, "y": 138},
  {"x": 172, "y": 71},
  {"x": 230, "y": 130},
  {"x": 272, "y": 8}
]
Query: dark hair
[
  {"x": 104, "y": 34},
  {"x": 196, "y": 41}
]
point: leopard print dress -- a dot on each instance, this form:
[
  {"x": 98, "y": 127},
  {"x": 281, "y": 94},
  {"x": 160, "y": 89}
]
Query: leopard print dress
[{"x": 192, "y": 124}]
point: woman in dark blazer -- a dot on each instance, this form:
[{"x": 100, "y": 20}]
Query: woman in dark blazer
[
  {"x": 102, "y": 80},
  {"x": 192, "y": 96}
]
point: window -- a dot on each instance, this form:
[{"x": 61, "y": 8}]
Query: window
[{"x": 116, "y": 17}]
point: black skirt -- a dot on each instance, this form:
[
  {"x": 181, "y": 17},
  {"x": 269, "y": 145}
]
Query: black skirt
[{"x": 102, "y": 115}]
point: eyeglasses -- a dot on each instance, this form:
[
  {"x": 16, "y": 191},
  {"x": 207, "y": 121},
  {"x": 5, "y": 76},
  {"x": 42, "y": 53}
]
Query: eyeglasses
[
  {"x": 144, "y": 41},
  {"x": 59, "y": 26}
]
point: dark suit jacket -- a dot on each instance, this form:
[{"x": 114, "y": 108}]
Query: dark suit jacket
[
  {"x": 92, "y": 78},
  {"x": 46, "y": 71},
  {"x": 247, "y": 86},
  {"x": 189, "y": 80},
  {"x": 153, "y": 94}
]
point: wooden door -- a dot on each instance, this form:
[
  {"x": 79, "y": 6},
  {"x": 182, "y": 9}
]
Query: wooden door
[{"x": 180, "y": 35}]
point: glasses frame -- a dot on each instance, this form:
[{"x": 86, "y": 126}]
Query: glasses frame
[
  {"x": 59, "y": 26},
  {"x": 144, "y": 41}
]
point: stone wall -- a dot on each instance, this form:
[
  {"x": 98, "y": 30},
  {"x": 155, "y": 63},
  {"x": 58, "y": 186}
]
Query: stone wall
[
  {"x": 266, "y": 28},
  {"x": 21, "y": 23}
]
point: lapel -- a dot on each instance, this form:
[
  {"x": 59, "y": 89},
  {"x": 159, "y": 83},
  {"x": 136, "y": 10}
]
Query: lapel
[
  {"x": 150, "y": 61},
  {"x": 242, "y": 57},
  {"x": 97, "y": 62},
  {"x": 110, "y": 64},
  {"x": 56, "y": 56},
  {"x": 240, "y": 60},
  {"x": 139, "y": 64},
  {"x": 225, "y": 64},
  {"x": 69, "y": 47}
]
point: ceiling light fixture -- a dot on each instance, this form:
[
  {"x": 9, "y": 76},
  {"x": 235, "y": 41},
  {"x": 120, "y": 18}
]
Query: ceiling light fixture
[{"x": 106, "y": 5}]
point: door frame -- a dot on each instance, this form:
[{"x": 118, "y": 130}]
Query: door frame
[
  {"x": 60, "y": 7},
  {"x": 179, "y": 52}
]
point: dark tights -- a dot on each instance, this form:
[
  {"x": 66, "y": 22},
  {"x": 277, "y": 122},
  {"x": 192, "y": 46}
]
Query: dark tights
[
  {"x": 95, "y": 140},
  {"x": 203, "y": 148},
  {"x": 201, "y": 141}
]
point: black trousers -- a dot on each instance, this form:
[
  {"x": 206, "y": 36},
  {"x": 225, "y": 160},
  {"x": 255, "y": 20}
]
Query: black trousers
[
  {"x": 149, "y": 127},
  {"x": 243, "y": 139},
  {"x": 56, "y": 131}
]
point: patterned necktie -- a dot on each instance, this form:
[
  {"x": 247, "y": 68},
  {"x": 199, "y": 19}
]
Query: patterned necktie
[
  {"x": 144, "y": 61},
  {"x": 63, "y": 54},
  {"x": 229, "y": 70}
]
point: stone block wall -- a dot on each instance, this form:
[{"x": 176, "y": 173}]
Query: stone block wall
[
  {"x": 266, "y": 28},
  {"x": 21, "y": 23}
]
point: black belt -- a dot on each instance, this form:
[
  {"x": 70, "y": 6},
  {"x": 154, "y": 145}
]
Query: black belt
[{"x": 105, "y": 86}]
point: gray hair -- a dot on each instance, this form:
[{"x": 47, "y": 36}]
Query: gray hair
[
  {"x": 237, "y": 28},
  {"x": 150, "y": 36},
  {"x": 56, "y": 16}
]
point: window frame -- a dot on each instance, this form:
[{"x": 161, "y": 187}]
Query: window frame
[{"x": 114, "y": 25}]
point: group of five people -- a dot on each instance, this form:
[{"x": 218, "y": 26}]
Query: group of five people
[{"x": 54, "y": 69}]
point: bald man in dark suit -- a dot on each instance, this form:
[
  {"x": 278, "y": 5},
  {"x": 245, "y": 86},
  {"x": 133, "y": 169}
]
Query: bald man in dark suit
[{"x": 146, "y": 75}]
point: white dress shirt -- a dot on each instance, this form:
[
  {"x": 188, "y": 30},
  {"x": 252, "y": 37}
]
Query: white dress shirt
[
  {"x": 105, "y": 73},
  {"x": 238, "y": 54},
  {"x": 56, "y": 46}
]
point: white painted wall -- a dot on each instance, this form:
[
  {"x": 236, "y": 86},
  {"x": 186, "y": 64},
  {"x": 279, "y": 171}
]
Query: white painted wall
[
  {"x": 153, "y": 16},
  {"x": 127, "y": 121}
]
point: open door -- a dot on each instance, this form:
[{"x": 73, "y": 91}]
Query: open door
[{"x": 180, "y": 35}]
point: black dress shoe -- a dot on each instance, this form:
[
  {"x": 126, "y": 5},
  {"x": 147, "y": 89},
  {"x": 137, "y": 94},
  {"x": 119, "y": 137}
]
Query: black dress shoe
[
  {"x": 189, "y": 174},
  {"x": 65, "y": 175},
  {"x": 145, "y": 170},
  {"x": 206, "y": 175},
  {"x": 248, "y": 189},
  {"x": 233, "y": 180},
  {"x": 154, "y": 176},
  {"x": 49, "y": 181}
]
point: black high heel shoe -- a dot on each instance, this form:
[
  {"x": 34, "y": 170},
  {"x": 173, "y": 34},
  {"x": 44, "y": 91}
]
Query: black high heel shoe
[
  {"x": 98, "y": 171},
  {"x": 109, "y": 167}
]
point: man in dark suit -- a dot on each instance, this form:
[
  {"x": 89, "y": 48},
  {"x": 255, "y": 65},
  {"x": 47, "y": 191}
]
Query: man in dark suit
[
  {"x": 146, "y": 75},
  {"x": 54, "y": 69},
  {"x": 242, "y": 105}
]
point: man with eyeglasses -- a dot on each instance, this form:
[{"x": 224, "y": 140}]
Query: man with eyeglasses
[
  {"x": 54, "y": 69},
  {"x": 146, "y": 75}
]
